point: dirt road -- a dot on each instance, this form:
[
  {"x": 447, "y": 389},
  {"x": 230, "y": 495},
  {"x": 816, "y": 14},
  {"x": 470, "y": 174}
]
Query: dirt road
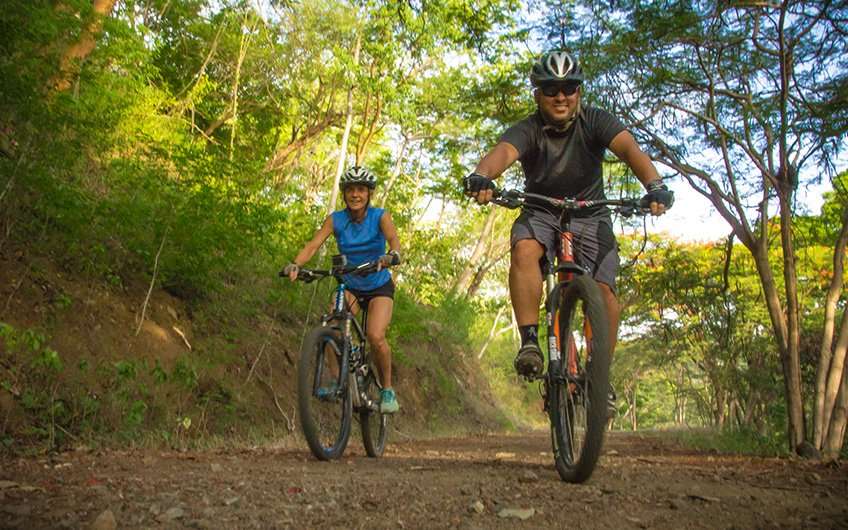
[{"x": 486, "y": 482}]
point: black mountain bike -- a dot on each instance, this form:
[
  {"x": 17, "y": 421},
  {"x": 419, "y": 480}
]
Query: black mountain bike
[
  {"x": 336, "y": 376},
  {"x": 576, "y": 383}
]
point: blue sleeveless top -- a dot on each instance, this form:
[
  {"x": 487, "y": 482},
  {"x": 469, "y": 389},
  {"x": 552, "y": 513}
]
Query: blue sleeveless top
[{"x": 361, "y": 243}]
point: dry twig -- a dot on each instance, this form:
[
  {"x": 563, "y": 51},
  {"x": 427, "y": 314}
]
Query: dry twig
[{"x": 152, "y": 283}]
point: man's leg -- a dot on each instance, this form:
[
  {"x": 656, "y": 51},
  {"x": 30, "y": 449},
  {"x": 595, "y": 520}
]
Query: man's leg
[
  {"x": 613, "y": 313},
  {"x": 525, "y": 280},
  {"x": 525, "y": 289}
]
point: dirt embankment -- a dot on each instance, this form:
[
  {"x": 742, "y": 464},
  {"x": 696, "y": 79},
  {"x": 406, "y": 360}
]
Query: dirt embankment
[{"x": 643, "y": 481}]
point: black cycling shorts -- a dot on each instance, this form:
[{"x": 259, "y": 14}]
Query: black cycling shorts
[
  {"x": 365, "y": 297},
  {"x": 595, "y": 247}
]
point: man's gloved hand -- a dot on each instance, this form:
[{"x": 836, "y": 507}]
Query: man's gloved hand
[
  {"x": 478, "y": 186},
  {"x": 392, "y": 258},
  {"x": 476, "y": 182},
  {"x": 659, "y": 198},
  {"x": 291, "y": 271}
]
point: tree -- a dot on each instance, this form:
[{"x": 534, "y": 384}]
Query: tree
[
  {"x": 81, "y": 47},
  {"x": 745, "y": 102}
]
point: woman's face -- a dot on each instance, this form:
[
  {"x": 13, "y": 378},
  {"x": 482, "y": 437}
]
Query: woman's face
[{"x": 356, "y": 196}]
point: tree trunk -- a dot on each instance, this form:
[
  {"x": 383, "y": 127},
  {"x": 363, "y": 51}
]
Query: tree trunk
[
  {"x": 792, "y": 366},
  {"x": 246, "y": 33},
  {"x": 633, "y": 424},
  {"x": 281, "y": 156},
  {"x": 834, "y": 426},
  {"x": 836, "y": 433},
  {"x": 479, "y": 250},
  {"x": 396, "y": 171},
  {"x": 77, "y": 52},
  {"x": 494, "y": 332},
  {"x": 334, "y": 195},
  {"x": 830, "y": 365}
]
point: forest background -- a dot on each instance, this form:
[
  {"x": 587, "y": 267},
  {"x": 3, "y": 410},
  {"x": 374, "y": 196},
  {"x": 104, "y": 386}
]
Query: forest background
[{"x": 164, "y": 159}]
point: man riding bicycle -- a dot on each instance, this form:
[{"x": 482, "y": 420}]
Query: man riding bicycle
[
  {"x": 361, "y": 233},
  {"x": 561, "y": 149}
]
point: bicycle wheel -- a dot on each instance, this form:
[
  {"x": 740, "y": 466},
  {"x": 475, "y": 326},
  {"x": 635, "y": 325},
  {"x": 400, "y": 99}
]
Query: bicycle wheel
[
  {"x": 325, "y": 412},
  {"x": 374, "y": 424},
  {"x": 578, "y": 393}
]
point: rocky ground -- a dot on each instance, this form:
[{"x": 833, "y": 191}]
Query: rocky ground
[{"x": 496, "y": 481}]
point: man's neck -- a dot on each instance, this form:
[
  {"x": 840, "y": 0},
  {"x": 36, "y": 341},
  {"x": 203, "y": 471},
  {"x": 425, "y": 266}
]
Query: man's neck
[{"x": 559, "y": 126}]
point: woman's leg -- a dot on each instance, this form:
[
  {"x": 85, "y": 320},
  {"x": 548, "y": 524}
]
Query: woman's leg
[{"x": 379, "y": 316}]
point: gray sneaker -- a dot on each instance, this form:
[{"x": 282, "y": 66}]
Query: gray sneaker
[{"x": 529, "y": 361}]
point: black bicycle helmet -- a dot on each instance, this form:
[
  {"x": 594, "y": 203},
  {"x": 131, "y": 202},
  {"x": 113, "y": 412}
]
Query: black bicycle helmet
[
  {"x": 358, "y": 175},
  {"x": 556, "y": 66}
]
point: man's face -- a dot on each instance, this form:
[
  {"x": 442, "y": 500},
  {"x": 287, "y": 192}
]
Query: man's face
[{"x": 558, "y": 101}]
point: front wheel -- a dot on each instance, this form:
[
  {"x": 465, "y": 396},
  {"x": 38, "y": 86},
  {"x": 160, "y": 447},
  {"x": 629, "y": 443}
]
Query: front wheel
[
  {"x": 579, "y": 383},
  {"x": 374, "y": 424},
  {"x": 325, "y": 410}
]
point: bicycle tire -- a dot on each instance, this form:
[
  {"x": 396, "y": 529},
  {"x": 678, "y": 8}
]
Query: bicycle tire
[
  {"x": 578, "y": 411},
  {"x": 373, "y": 423},
  {"x": 326, "y": 421}
]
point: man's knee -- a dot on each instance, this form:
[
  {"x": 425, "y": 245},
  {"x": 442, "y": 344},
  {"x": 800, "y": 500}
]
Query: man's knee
[{"x": 527, "y": 252}]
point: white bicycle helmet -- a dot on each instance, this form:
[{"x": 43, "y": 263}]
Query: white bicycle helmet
[
  {"x": 556, "y": 66},
  {"x": 358, "y": 175}
]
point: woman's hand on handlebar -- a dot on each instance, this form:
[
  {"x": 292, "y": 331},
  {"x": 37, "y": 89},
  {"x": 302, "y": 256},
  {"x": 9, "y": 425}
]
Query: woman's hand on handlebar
[
  {"x": 291, "y": 271},
  {"x": 387, "y": 260}
]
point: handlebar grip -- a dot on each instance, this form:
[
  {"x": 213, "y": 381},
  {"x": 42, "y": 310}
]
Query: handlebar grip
[{"x": 306, "y": 276}]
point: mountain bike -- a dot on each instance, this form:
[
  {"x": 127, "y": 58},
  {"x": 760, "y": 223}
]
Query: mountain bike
[
  {"x": 576, "y": 382},
  {"x": 336, "y": 376}
]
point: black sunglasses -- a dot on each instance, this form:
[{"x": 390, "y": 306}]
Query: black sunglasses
[{"x": 552, "y": 90}]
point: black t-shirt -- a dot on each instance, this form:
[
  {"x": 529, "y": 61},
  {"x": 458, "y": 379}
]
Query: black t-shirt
[{"x": 565, "y": 164}]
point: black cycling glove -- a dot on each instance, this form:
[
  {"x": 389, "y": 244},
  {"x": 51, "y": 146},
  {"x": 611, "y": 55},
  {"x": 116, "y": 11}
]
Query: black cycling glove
[
  {"x": 476, "y": 182},
  {"x": 659, "y": 193}
]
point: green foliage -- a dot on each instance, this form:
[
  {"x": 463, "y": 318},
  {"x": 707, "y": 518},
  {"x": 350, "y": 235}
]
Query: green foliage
[{"x": 737, "y": 442}]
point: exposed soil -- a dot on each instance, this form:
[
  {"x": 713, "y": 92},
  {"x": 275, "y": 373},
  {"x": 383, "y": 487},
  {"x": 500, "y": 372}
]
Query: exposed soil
[{"x": 643, "y": 481}]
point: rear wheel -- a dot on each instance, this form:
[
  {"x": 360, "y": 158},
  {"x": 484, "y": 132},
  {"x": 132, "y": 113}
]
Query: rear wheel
[
  {"x": 374, "y": 424},
  {"x": 578, "y": 390},
  {"x": 325, "y": 412}
]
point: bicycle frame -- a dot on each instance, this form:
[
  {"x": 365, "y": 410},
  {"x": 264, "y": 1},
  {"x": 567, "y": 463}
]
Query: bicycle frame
[
  {"x": 353, "y": 340},
  {"x": 558, "y": 275},
  {"x": 556, "y": 278}
]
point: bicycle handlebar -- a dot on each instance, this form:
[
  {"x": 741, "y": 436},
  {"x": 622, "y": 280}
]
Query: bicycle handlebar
[
  {"x": 514, "y": 199},
  {"x": 310, "y": 275}
]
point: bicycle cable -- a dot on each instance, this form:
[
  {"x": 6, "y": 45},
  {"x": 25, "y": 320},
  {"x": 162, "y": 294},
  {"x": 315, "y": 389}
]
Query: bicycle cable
[{"x": 308, "y": 313}]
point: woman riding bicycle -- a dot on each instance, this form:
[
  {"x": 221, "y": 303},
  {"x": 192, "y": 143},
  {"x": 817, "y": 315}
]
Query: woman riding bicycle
[{"x": 361, "y": 233}]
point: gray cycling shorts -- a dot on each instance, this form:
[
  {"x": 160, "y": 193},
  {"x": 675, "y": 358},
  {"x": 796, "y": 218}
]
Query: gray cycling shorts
[{"x": 595, "y": 247}]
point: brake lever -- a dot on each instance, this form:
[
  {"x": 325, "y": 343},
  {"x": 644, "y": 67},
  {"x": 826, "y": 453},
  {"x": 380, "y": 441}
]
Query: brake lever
[{"x": 627, "y": 211}]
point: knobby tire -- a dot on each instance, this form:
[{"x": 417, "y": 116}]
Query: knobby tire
[
  {"x": 373, "y": 423},
  {"x": 326, "y": 422},
  {"x": 578, "y": 413}
]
